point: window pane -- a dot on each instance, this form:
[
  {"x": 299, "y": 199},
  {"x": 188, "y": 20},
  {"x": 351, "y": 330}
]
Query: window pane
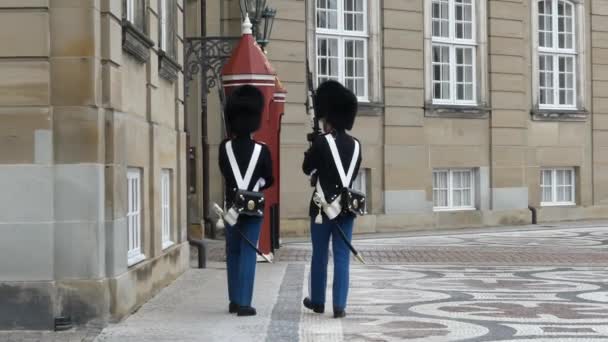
[
  {"x": 441, "y": 72},
  {"x": 457, "y": 179},
  {"x": 546, "y": 86},
  {"x": 327, "y": 14},
  {"x": 546, "y": 179},
  {"x": 568, "y": 194},
  {"x": 321, "y": 19},
  {"x": 559, "y": 175},
  {"x": 349, "y": 50},
  {"x": 568, "y": 177},
  {"x": 349, "y": 83},
  {"x": 561, "y": 194},
  {"x": 140, "y": 10},
  {"x": 546, "y": 185},
  {"x": 354, "y": 66},
  {"x": 440, "y": 188},
  {"x": 565, "y": 27},
  {"x": 360, "y": 90},
  {"x": 545, "y": 23},
  {"x": 327, "y": 59},
  {"x": 466, "y": 180},
  {"x": 463, "y": 19},
  {"x": 354, "y": 15},
  {"x": 546, "y": 194},
  {"x": 440, "y": 18},
  {"x": 464, "y": 74},
  {"x": 566, "y": 80},
  {"x": 457, "y": 198}
]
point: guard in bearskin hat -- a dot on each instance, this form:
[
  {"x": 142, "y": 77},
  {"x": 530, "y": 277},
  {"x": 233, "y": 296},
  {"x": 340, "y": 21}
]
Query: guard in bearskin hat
[
  {"x": 333, "y": 159},
  {"x": 247, "y": 169}
]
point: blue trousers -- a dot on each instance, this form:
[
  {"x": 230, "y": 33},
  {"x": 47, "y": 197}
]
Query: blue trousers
[
  {"x": 241, "y": 259},
  {"x": 320, "y": 234}
]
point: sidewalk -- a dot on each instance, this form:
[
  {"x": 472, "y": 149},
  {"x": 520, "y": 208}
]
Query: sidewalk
[{"x": 195, "y": 308}]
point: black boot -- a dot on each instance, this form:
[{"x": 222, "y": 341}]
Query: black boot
[
  {"x": 318, "y": 308},
  {"x": 233, "y": 307},
  {"x": 339, "y": 313},
  {"x": 246, "y": 311}
]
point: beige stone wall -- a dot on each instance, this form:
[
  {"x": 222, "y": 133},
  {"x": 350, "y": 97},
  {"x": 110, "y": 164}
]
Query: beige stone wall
[
  {"x": 406, "y": 155},
  {"x": 287, "y": 53},
  {"x": 144, "y": 117},
  {"x": 77, "y": 111},
  {"x": 509, "y": 92},
  {"x": 599, "y": 60}
]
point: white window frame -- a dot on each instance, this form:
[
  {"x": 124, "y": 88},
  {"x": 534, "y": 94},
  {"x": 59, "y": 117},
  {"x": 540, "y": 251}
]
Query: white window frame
[
  {"x": 167, "y": 22},
  {"x": 554, "y": 186},
  {"x": 577, "y": 52},
  {"x": 480, "y": 56},
  {"x": 342, "y": 36},
  {"x": 134, "y": 217},
  {"x": 165, "y": 208},
  {"x": 556, "y": 53},
  {"x": 453, "y": 43},
  {"x": 450, "y": 189},
  {"x": 163, "y": 24},
  {"x": 130, "y": 10},
  {"x": 131, "y": 7}
]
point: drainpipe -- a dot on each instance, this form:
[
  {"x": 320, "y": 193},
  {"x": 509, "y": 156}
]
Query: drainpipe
[
  {"x": 533, "y": 211},
  {"x": 206, "y": 224}
]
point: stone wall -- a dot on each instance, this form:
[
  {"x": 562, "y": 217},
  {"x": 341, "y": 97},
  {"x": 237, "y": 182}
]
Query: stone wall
[
  {"x": 77, "y": 111},
  {"x": 599, "y": 83}
]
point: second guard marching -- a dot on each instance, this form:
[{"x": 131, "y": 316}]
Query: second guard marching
[{"x": 333, "y": 160}]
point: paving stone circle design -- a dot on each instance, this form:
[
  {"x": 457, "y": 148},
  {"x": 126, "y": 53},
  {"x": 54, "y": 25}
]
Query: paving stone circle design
[{"x": 452, "y": 303}]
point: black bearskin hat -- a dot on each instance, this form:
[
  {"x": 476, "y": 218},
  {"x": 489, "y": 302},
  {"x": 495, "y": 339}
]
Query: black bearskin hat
[
  {"x": 244, "y": 109},
  {"x": 336, "y": 104}
]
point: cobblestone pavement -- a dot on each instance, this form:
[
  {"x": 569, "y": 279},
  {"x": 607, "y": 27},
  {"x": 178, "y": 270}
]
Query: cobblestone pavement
[
  {"x": 496, "y": 303},
  {"x": 573, "y": 246},
  {"x": 516, "y": 284}
]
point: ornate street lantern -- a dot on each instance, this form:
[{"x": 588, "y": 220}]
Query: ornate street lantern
[
  {"x": 259, "y": 15},
  {"x": 254, "y": 9},
  {"x": 263, "y": 37}
]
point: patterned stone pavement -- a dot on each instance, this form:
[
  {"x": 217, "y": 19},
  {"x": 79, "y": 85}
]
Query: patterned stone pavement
[
  {"x": 520, "y": 284},
  {"x": 476, "y": 303},
  {"x": 581, "y": 246}
]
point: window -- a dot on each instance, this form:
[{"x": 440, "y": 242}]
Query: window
[
  {"x": 135, "y": 254},
  {"x": 453, "y": 52},
  {"x": 557, "y": 54},
  {"x": 360, "y": 182},
  {"x": 134, "y": 12},
  {"x": 453, "y": 190},
  {"x": 165, "y": 199},
  {"x": 557, "y": 187},
  {"x": 134, "y": 40},
  {"x": 167, "y": 23},
  {"x": 341, "y": 44}
]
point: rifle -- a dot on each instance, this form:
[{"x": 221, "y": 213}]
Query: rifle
[{"x": 310, "y": 104}]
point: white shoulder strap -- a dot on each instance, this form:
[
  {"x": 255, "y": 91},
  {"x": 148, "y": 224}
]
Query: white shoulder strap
[
  {"x": 243, "y": 183},
  {"x": 345, "y": 178}
]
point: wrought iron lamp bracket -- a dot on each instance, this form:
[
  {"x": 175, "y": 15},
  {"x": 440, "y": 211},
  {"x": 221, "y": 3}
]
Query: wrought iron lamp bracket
[{"x": 206, "y": 55}]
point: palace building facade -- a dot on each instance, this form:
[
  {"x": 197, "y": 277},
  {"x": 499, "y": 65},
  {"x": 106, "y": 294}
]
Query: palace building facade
[{"x": 472, "y": 113}]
